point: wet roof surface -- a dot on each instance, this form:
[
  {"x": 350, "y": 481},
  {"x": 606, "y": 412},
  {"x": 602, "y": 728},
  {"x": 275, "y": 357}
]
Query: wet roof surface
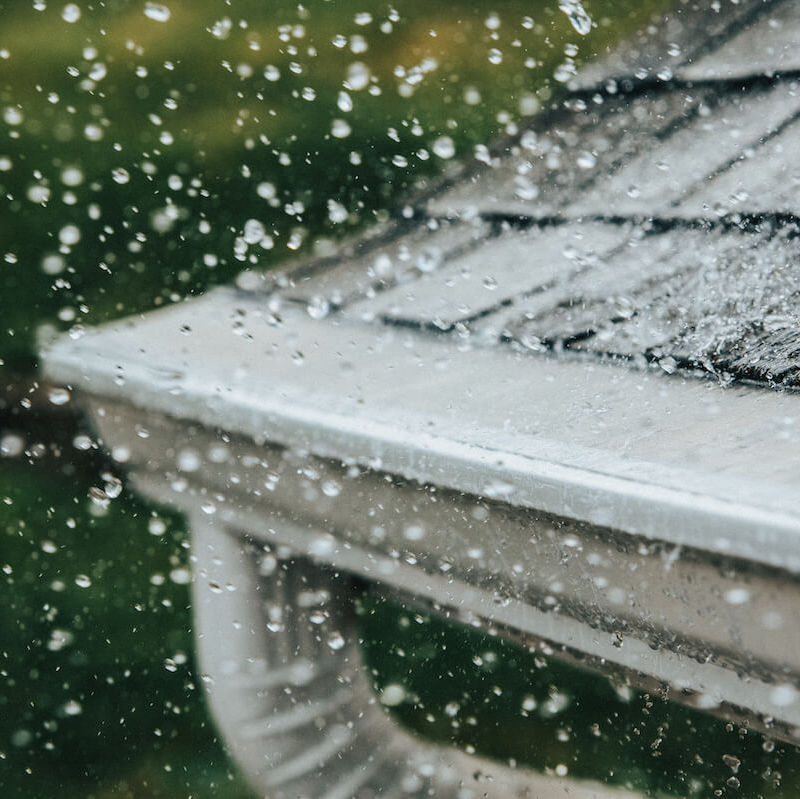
[{"x": 650, "y": 216}]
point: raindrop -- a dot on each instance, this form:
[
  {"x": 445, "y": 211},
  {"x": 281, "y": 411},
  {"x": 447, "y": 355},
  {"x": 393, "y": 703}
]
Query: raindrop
[
  {"x": 266, "y": 190},
  {"x": 498, "y": 489},
  {"x": 83, "y": 581},
  {"x": 11, "y": 445},
  {"x": 784, "y": 695},
  {"x": 221, "y": 29},
  {"x": 72, "y": 708},
  {"x": 180, "y": 576},
  {"x": 737, "y": 596},
  {"x": 254, "y": 231},
  {"x": 72, "y": 176},
  {"x": 495, "y": 56},
  {"x": 318, "y": 308},
  {"x": 71, "y": 13},
  {"x": 414, "y": 532},
  {"x": 340, "y": 129},
  {"x": 363, "y": 18},
  {"x": 59, "y": 639},
  {"x": 336, "y": 641},
  {"x": 344, "y": 102},
  {"x": 157, "y": 12},
  {"x": 112, "y": 486},
  {"x": 69, "y": 234},
  {"x": 577, "y": 15},
  {"x": 586, "y": 160},
  {"x": 444, "y": 147},
  {"x": 58, "y": 396},
  {"x": 393, "y": 695},
  {"x": 529, "y": 704},
  {"x": 358, "y": 76}
]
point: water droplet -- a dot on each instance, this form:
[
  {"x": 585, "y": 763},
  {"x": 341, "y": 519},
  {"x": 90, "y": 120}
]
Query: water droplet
[
  {"x": 732, "y": 762},
  {"x": 157, "y": 12},
  {"x": 72, "y": 708},
  {"x": 69, "y": 235},
  {"x": 363, "y": 18},
  {"x": 358, "y": 76},
  {"x": 498, "y": 489},
  {"x": 340, "y": 129},
  {"x": 83, "y": 581},
  {"x": 737, "y": 596},
  {"x": 784, "y": 695},
  {"x": 112, "y": 486},
  {"x": 331, "y": 488},
  {"x": 577, "y": 15},
  {"x": 335, "y": 641},
  {"x": 318, "y": 308},
  {"x": 528, "y": 704},
  {"x": 586, "y": 160},
  {"x": 71, "y": 12},
  {"x": 53, "y": 264},
  {"x": 414, "y": 532},
  {"x": 444, "y": 147},
  {"x": 221, "y": 29},
  {"x": 393, "y": 695},
  {"x": 322, "y": 546},
  {"x": 59, "y": 639},
  {"x": 58, "y": 396},
  {"x": 180, "y": 576},
  {"x": 11, "y": 445},
  {"x": 344, "y": 102}
]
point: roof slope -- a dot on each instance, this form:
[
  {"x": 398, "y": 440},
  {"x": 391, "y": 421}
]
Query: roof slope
[{"x": 651, "y": 217}]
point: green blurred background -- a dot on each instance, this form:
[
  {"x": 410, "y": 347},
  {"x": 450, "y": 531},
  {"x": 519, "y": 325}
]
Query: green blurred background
[{"x": 148, "y": 151}]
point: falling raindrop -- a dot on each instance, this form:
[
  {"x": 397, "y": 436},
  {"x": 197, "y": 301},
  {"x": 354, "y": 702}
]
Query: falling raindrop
[
  {"x": 577, "y": 15},
  {"x": 157, "y": 12}
]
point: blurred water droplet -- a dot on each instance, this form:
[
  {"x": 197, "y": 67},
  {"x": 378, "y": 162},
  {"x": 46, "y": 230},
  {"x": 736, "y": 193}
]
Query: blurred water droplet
[
  {"x": 221, "y": 29},
  {"x": 335, "y": 641},
  {"x": 340, "y": 129},
  {"x": 393, "y": 695},
  {"x": 358, "y": 76},
  {"x": 157, "y": 12},
  {"x": 331, "y": 488},
  {"x": 318, "y": 307},
  {"x": 444, "y": 147},
  {"x": 577, "y": 15},
  {"x": 83, "y": 581},
  {"x": 737, "y": 596},
  {"x": 11, "y": 445},
  {"x": 58, "y": 396},
  {"x": 69, "y": 234},
  {"x": 344, "y": 102}
]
